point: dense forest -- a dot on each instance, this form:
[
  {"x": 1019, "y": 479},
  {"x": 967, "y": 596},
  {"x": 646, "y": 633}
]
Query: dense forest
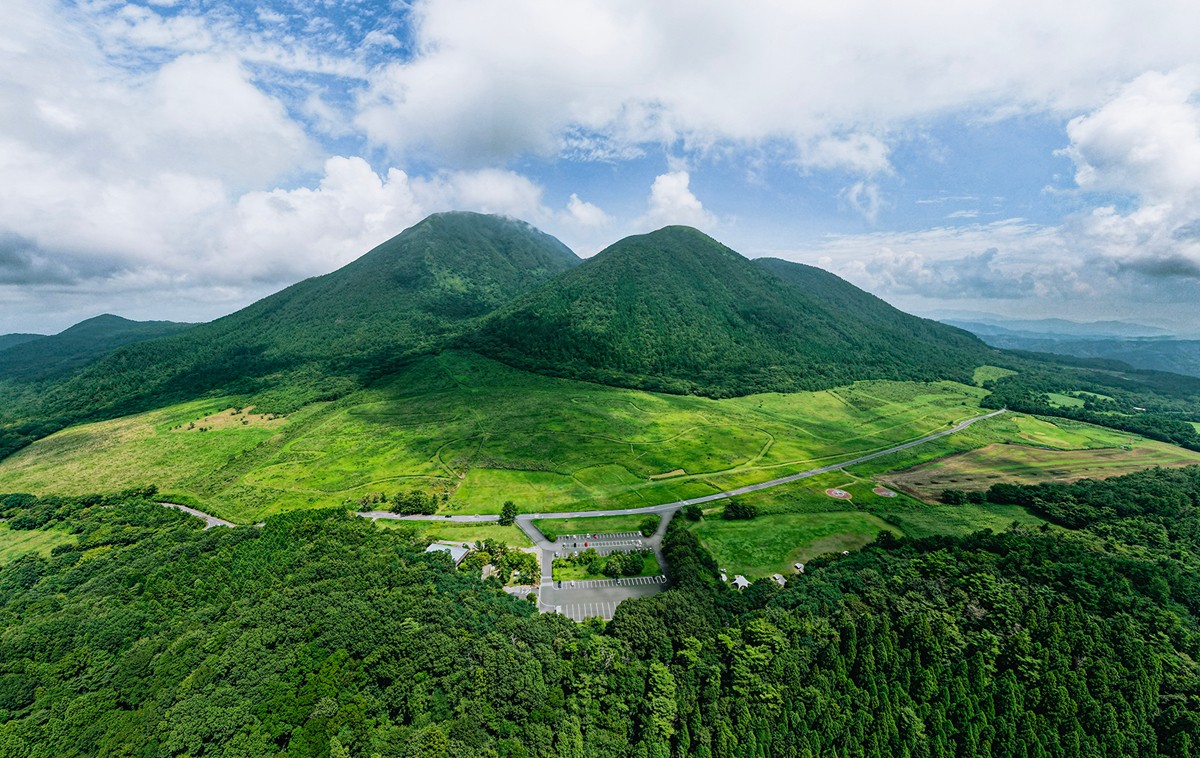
[{"x": 322, "y": 635}]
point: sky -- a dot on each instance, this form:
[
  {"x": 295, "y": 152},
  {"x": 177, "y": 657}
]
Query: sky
[{"x": 179, "y": 159}]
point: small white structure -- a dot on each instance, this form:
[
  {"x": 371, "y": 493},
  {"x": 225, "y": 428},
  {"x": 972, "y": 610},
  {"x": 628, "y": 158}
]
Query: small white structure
[
  {"x": 456, "y": 553},
  {"x": 724, "y": 578},
  {"x": 740, "y": 582},
  {"x": 799, "y": 567},
  {"x": 779, "y": 580}
]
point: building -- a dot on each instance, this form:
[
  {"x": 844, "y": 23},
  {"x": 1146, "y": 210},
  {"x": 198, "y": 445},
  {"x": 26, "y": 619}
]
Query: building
[
  {"x": 779, "y": 580},
  {"x": 456, "y": 553},
  {"x": 740, "y": 582}
]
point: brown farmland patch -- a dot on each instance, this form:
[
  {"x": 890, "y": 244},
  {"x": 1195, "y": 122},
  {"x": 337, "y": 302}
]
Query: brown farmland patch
[{"x": 1023, "y": 464}]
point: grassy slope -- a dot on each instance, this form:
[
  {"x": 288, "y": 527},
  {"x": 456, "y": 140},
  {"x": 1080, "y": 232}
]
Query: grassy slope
[
  {"x": 771, "y": 544},
  {"x": 15, "y": 543},
  {"x": 801, "y": 520},
  {"x": 487, "y": 433}
]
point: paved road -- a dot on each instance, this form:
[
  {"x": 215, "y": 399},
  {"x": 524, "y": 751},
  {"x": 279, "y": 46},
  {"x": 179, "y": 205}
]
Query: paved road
[
  {"x": 598, "y": 598},
  {"x": 671, "y": 507},
  {"x": 210, "y": 521}
]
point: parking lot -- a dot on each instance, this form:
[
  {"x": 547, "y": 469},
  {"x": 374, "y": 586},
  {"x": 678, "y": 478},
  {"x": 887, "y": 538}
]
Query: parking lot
[{"x": 628, "y": 581}]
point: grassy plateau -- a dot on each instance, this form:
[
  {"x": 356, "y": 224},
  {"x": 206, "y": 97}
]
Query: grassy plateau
[{"x": 484, "y": 433}]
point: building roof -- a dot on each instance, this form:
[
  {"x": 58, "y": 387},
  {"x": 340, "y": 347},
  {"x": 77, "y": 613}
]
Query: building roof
[
  {"x": 456, "y": 553},
  {"x": 741, "y": 582},
  {"x": 779, "y": 579}
]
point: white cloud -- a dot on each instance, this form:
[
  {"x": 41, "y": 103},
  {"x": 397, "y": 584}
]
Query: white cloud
[
  {"x": 864, "y": 197},
  {"x": 494, "y": 79},
  {"x": 1144, "y": 143},
  {"x": 585, "y": 214},
  {"x": 672, "y": 202}
]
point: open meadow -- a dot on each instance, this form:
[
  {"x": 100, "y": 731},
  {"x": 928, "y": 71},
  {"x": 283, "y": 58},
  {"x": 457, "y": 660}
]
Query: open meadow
[
  {"x": 17, "y": 542},
  {"x": 483, "y": 433}
]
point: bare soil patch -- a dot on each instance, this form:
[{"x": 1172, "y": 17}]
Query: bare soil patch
[
  {"x": 884, "y": 492},
  {"x": 668, "y": 474}
]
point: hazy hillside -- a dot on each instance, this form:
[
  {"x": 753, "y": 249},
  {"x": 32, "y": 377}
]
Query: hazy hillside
[
  {"x": 10, "y": 340},
  {"x": 51, "y": 357},
  {"x": 1176, "y": 356},
  {"x": 676, "y": 310}
]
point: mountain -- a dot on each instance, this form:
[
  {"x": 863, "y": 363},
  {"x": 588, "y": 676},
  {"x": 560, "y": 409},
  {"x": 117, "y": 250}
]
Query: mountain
[
  {"x": 1175, "y": 356},
  {"x": 677, "y": 311},
  {"x": 44, "y": 358},
  {"x": 12, "y": 340},
  {"x": 1055, "y": 328},
  {"x": 319, "y": 338}
]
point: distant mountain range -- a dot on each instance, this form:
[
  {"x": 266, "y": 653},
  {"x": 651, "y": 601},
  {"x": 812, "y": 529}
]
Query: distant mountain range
[
  {"x": 980, "y": 323},
  {"x": 35, "y": 357},
  {"x": 1138, "y": 345}
]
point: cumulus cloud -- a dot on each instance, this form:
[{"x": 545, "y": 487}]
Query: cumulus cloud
[
  {"x": 1144, "y": 144},
  {"x": 672, "y": 202},
  {"x": 491, "y": 79}
]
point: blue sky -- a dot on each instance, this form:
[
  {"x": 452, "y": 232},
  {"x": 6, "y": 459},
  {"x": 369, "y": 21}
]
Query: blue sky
[{"x": 179, "y": 159}]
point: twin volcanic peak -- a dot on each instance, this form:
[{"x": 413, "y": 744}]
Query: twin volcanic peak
[
  {"x": 673, "y": 310},
  {"x": 677, "y": 311}
]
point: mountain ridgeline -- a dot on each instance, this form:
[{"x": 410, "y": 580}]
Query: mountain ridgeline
[
  {"x": 328, "y": 335},
  {"x": 677, "y": 311},
  {"x": 46, "y": 358}
]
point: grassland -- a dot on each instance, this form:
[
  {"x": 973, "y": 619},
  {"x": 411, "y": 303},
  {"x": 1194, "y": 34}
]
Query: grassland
[
  {"x": 552, "y": 527},
  {"x": 990, "y": 374},
  {"x": 771, "y": 544},
  {"x": 564, "y": 572},
  {"x": 451, "y": 531},
  {"x": 483, "y": 433},
  {"x": 17, "y": 542},
  {"x": 1024, "y": 464},
  {"x": 1060, "y": 400},
  {"x": 959, "y": 520}
]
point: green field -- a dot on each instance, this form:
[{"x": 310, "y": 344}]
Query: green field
[
  {"x": 566, "y": 572},
  {"x": 450, "y": 531},
  {"x": 17, "y": 542},
  {"x": 990, "y": 374},
  {"x": 959, "y": 520},
  {"x": 484, "y": 433},
  {"x": 1024, "y": 464},
  {"x": 1060, "y": 400},
  {"x": 552, "y": 527},
  {"x": 771, "y": 544}
]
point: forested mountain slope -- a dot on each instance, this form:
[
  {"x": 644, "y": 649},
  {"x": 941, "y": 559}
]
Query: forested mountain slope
[
  {"x": 56, "y": 356},
  {"x": 321, "y": 337},
  {"x": 322, "y": 634},
  {"x": 677, "y": 311},
  {"x": 10, "y": 340}
]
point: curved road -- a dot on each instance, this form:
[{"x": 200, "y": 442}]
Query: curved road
[
  {"x": 671, "y": 507},
  {"x": 659, "y": 509},
  {"x": 604, "y": 600}
]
